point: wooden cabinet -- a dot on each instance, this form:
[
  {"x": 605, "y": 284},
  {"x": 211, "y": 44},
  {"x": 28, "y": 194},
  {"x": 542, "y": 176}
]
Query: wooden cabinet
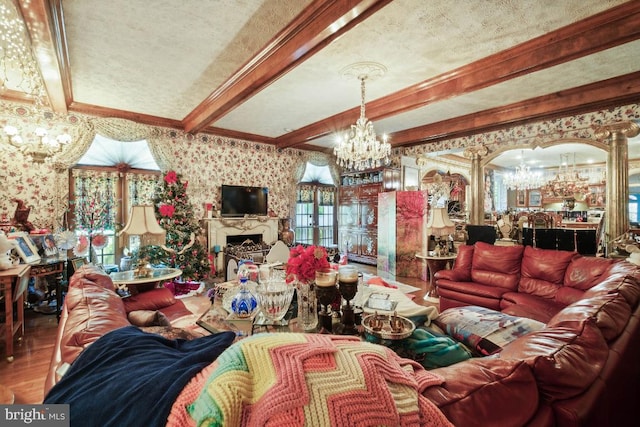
[
  {"x": 358, "y": 212},
  {"x": 358, "y": 222}
]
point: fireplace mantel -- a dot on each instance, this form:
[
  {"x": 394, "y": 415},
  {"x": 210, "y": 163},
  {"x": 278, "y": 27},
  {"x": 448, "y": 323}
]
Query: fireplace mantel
[{"x": 219, "y": 228}]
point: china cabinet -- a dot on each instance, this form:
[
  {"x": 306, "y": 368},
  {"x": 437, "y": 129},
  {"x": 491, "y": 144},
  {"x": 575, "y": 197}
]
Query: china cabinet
[{"x": 358, "y": 212}]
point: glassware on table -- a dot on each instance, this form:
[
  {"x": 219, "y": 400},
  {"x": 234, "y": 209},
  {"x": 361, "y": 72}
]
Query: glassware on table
[
  {"x": 307, "y": 306},
  {"x": 274, "y": 298},
  {"x": 326, "y": 292},
  {"x": 348, "y": 287}
]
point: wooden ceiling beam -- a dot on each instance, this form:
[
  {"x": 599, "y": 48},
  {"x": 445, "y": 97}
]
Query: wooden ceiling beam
[
  {"x": 579, "y": 100},
  {"x": 310, "y": 31},
  {"x": 608, "y": 29},
  {"x": 45, "y": 25}
]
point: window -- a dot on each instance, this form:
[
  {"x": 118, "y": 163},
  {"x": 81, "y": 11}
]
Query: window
[
  {"x": 315, "y": 218},
  {"x": 103, "y": 190}
]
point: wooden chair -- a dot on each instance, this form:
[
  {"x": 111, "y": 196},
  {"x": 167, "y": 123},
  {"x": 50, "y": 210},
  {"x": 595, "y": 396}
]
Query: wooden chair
[{"x": 541, "y": 220}]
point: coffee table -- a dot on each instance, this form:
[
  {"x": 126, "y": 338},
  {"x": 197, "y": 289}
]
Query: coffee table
[{"x": 141, "y": 284}]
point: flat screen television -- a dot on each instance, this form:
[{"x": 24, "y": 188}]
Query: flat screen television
[{"x": 240, "y": 200}]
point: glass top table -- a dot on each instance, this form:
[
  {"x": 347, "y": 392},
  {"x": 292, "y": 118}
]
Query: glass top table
[{"x": 139, "y": 284}]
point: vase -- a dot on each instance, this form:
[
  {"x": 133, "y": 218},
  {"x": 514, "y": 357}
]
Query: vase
[
  {"x": 244, "y": 303},
  {"x": 307, "y": 306}
]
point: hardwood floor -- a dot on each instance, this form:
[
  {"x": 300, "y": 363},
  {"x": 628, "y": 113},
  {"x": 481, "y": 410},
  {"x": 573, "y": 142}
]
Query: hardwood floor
[{"x": 25, "y": 376}]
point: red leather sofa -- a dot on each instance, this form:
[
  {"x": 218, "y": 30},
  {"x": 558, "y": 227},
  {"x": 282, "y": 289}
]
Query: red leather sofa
[
  {"x": 92, "y": 308},
  {"x": 581, "y": 369}
]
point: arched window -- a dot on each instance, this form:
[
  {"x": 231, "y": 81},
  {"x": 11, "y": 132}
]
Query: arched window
[{"x": 108, "y": 179}]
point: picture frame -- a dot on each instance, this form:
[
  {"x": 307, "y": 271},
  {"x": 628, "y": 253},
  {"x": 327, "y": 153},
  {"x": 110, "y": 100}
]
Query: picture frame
[
  {"x": 535, "y": 198},
  {"x": 76, "y": 263},
  {"x": 521, "y": 198},
  {"x": 25, "y": 247},
  {"x": 46, "y": 245}
]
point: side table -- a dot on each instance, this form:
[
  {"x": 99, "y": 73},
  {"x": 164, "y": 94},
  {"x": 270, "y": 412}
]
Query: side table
[
  {"x": 435, "y": 264},
  {"x": 13, "y": 284},
  {"x": 51, "y": 267}
]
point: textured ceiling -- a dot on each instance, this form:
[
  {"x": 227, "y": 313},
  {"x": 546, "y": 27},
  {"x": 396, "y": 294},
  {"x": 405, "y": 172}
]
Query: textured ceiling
[{"x": 197, "y": 63}]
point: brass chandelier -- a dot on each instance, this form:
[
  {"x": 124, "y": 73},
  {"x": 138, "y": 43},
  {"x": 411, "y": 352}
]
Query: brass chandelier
[
  {"x": 567, "y": 184},
  {"x": 361, "y": 149}
]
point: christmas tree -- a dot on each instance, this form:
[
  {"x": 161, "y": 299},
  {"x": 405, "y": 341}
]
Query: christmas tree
[{"x": 177, "y": 218}]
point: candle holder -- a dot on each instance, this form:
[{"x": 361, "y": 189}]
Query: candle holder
[
  {"x": 348, "y": 287},
  {"x": 326, "y": 292}
]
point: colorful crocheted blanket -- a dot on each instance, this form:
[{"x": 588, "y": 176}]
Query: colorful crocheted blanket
[{"x": 288, "y": 379}]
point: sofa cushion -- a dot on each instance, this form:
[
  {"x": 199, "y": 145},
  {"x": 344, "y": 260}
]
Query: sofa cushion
[
  {"x": 496, "y": 265},
  {"x": 472, "y": 390},
  {"x": 461, "y": 271},
  {"x": 92, "y": 311},
  {"x": 538, "y": 308},
  {"x": 94, "y": 274},
  {"x": 584, "y": 272},
  {"x": 483, "y": 330},
  {"x": 627, "y": 286},
  {"x": 148, "y": 318},
  {"x": 154, "y": 299},
  {"x": 565, "y": 358},
  {"x": 542, "y": 271},
  {"x": 611, "y": 313}
]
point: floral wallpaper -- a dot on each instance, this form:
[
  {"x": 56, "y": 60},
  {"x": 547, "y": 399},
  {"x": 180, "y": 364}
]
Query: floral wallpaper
[{"x": 208, "y": 161}]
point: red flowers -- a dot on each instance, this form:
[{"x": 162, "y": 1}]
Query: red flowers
[
  {"x": 304, "y": 262},
  {"x": 167, "y": 210},
  {"x": 171, "y": 177}
]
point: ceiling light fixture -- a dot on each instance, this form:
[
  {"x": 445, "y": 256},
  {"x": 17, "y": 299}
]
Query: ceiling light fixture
[
  {"x": 361, "y": 149},
  {"x": 568, "y": 184},
  {"x": 523, "y": 178},
  {"x": 17, "y": 62},
  {"x": 41, "y": 147}
]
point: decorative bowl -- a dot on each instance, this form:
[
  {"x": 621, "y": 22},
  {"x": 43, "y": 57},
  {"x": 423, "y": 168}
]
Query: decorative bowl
[{"x": 379, "y": 326}]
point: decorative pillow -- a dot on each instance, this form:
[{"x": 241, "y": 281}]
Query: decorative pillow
[
  {"x": 483, "y": 330},
  {"x": 148, "y": 318}
]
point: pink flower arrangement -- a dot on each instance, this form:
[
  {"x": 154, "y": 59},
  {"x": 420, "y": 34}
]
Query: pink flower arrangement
[
  {"x": 304, "y": 262},
  {"x": 167, "y": 210},
  {"x": 171, "y": 177}
]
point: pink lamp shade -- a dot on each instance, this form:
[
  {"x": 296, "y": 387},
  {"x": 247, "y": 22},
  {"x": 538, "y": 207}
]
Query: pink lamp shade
[
  {"x": 142, "y": 222},
  {"x": 439, "y": 223}
]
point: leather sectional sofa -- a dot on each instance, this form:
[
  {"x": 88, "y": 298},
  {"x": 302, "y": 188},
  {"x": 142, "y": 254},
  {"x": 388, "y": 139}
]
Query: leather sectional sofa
[{"x": 582, "y": 368}]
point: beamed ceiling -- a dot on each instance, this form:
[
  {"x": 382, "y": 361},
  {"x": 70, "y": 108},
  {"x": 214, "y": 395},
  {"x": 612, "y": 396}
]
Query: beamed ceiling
[{"x": 270, "y": 70}]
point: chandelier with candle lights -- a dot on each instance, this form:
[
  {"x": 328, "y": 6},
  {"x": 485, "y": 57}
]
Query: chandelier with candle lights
[{"x": 361, "y": 148}]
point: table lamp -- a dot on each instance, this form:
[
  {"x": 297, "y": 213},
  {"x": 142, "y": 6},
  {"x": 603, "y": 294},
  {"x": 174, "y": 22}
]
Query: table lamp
[
  {"x": 439, "y": 225},
  {"x": 143, "y": 223}
]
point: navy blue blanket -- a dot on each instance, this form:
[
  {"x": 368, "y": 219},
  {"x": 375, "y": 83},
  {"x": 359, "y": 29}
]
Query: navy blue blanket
[{"x": 131, "y": 378}]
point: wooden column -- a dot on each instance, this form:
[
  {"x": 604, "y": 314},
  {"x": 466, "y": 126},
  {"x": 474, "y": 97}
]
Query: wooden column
[
  {"x": 476, "y": 210},
  {"x": 617, "y": 190}
]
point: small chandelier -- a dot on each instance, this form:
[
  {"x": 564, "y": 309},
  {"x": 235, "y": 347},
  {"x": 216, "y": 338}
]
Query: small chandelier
[
  {"x": 17, "y": 62},
  {"x": 361, "y": 149},
  {"x": 39, "y": 149},
  {"x": 567, "y": 183},
  {"x": 523, "y": 178}
]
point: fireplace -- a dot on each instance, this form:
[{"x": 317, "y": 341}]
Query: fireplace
[
  {"x": 238, "y": 239},
  {"x": 220, "y": 230}
]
